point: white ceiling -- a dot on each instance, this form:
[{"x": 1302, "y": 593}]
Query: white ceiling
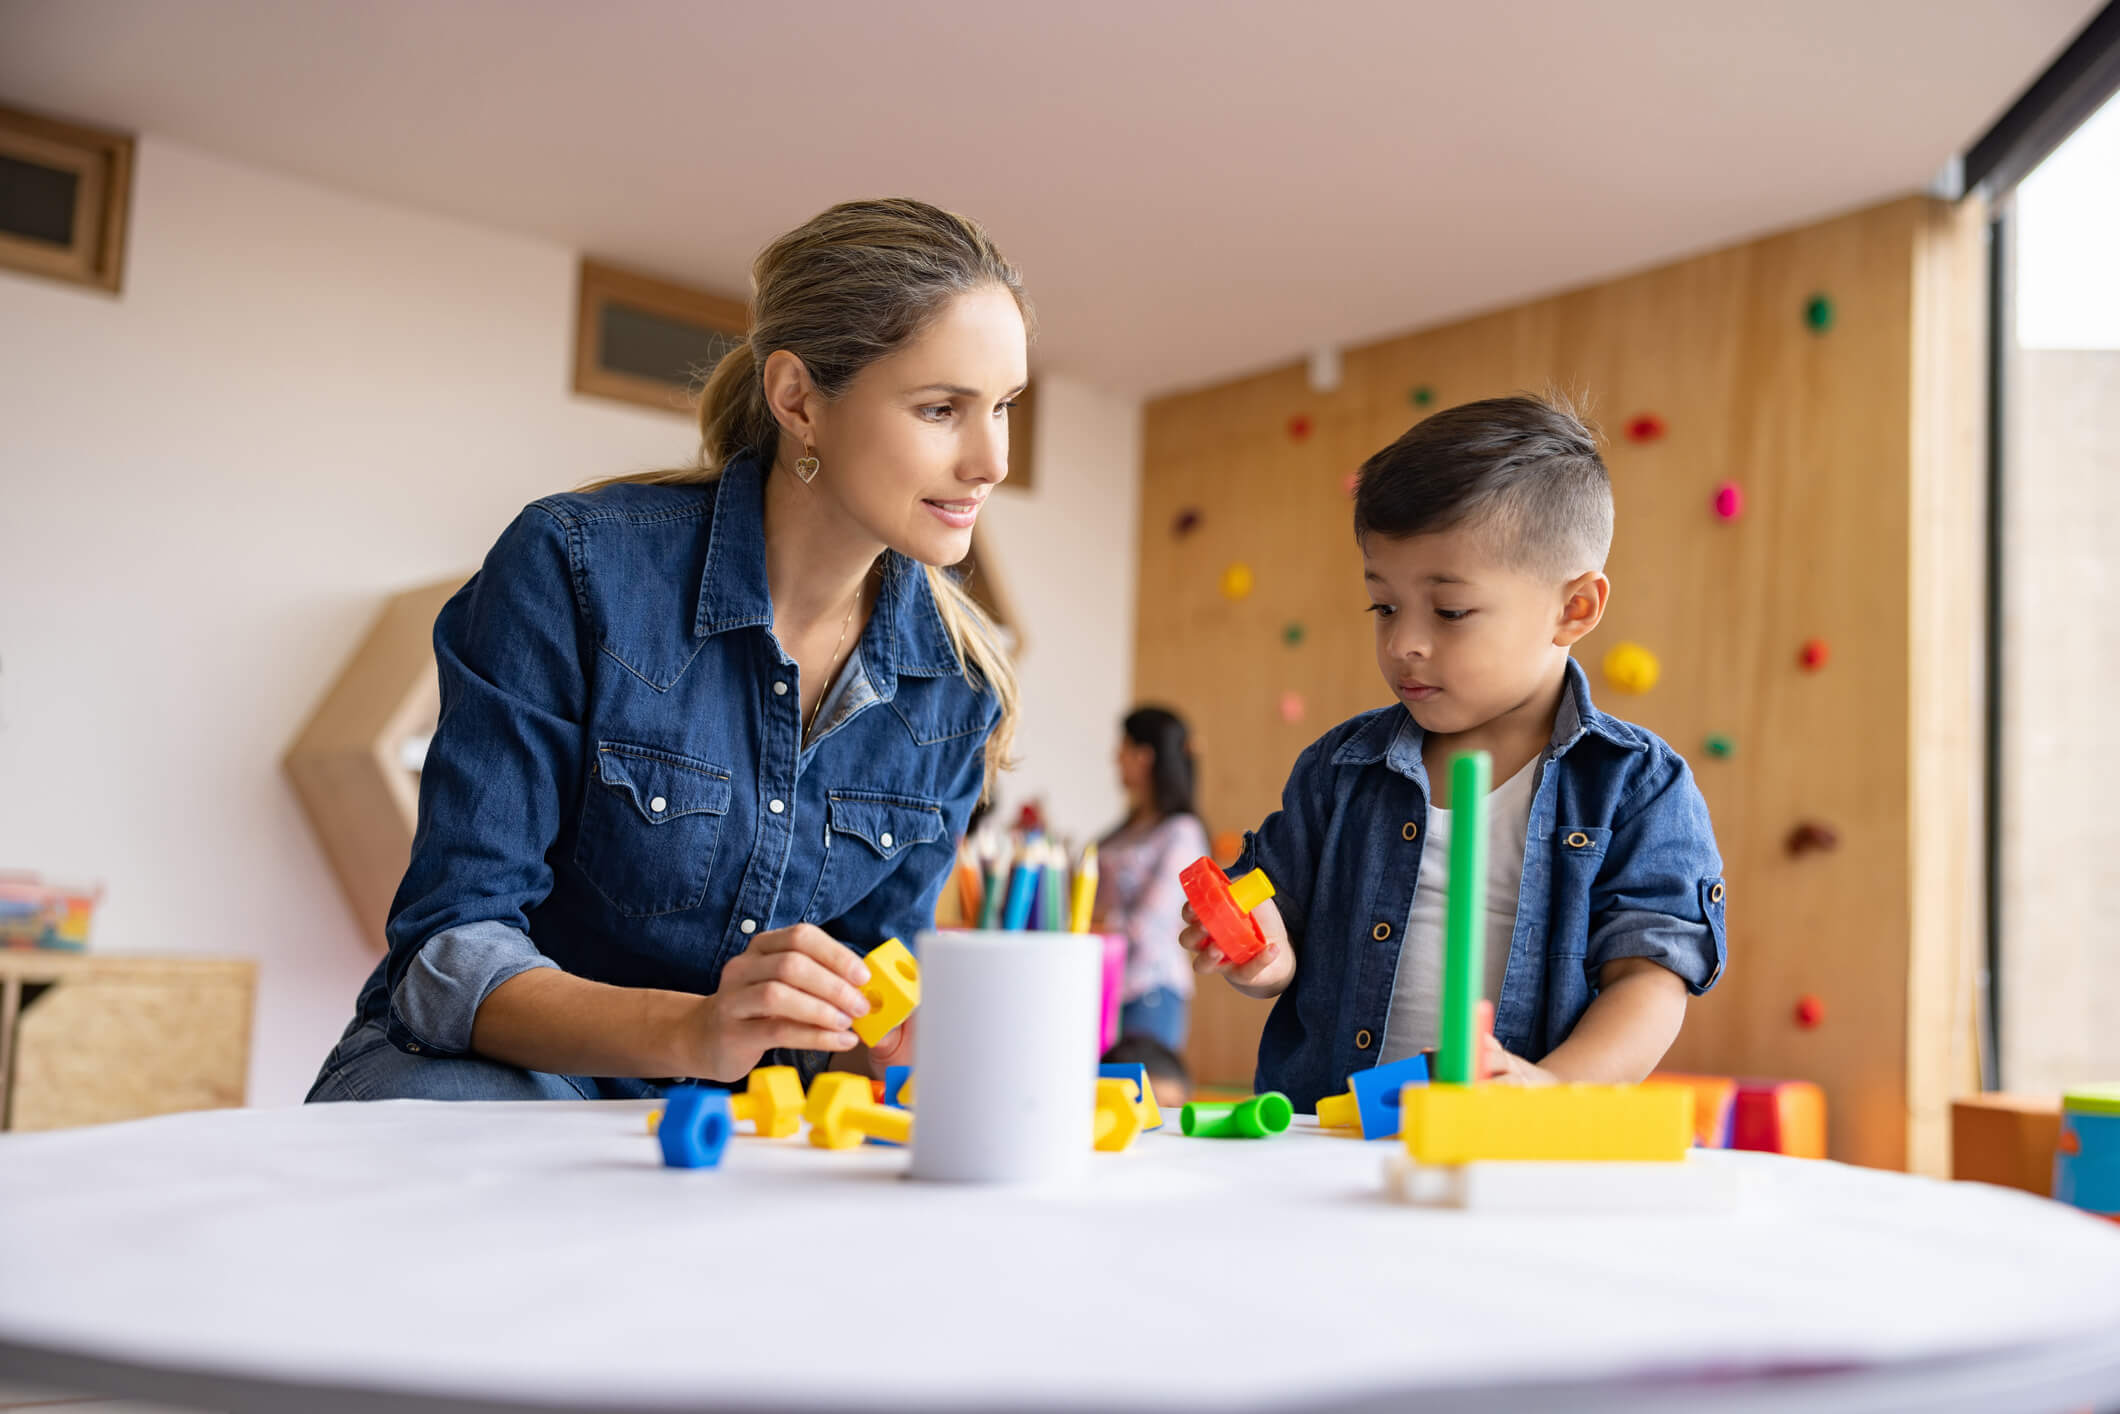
[{"x": 1192, "y": 189}]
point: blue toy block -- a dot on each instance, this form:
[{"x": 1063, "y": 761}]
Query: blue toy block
[
  {"x": 2092, "y": 1185},
  {"x": 1376, "y": 1093},
  {"x": 696, "y": 1126},
  {"x": 894, "y": 1078},
  {"x": 1136, "y": 1072}
]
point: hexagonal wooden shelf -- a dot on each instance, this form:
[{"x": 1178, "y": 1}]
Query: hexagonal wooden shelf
[{"x": 349, "y": 766}]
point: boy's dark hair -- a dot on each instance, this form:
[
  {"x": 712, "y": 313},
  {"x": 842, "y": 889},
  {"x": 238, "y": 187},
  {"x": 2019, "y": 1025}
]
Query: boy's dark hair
[
  {"x": 1170, "y": 778},
  {"x": 1524, "y": 468},
  {"x": 1160, "y": 1059}
]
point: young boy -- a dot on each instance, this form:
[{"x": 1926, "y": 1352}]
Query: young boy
[{"x": 1483, "y": 532}]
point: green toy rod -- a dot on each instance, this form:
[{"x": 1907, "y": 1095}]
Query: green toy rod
[{"x": 1464, "y": 928}]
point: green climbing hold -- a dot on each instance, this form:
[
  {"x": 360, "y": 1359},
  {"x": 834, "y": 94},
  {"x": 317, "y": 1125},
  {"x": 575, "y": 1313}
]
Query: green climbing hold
[
  {"x": 1819, "y": 314},
  {"x": 1720, "y": 745},
  {"x": 1292, "y": 635},
  {"x": 1422, "y": 396}
]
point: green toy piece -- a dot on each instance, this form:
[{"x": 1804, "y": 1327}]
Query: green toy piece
[
  {"x": 1464, "y": 943},
  {"x": 1422, "y": 396},
  {"x": 1819, "y": 314},
  {"x": 1254, "y": 1118},
  {"x": 1720, "y": 745}
]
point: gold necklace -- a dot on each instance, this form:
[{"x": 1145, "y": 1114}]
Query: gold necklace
[{"x": 831, "y": 666}]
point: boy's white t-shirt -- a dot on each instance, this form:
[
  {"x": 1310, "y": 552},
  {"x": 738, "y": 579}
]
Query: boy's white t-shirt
[{"x": 1417, "y": 990}]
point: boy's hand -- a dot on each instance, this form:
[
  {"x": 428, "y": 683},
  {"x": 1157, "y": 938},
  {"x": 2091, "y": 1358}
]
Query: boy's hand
[
  {"x": 1266, "y": 975},
  {"x": 1506, "y": 1068}
]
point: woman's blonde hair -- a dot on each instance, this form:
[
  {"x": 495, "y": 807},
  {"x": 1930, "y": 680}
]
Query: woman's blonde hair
[{"x": 840, "y": 291}]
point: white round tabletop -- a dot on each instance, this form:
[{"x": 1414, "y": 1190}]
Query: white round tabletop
[{"x": 486, "y": 1257}]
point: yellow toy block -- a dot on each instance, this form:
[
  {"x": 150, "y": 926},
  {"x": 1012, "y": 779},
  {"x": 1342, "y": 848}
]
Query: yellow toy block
[
  {"x": 1118, "y": 1115},
  {"x": 1459, "y": 1124},
  {"x": 1340, "y": 1111},
  {"x": 843, "y": 1111},
  {"x": 654, "y": 1122},
  {"x": 772, "y": 1100},
  {"x": 893, "y": 991}
]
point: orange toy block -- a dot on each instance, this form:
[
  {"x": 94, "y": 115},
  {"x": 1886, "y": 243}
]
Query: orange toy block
[
  {"x": 842, "y": 1113},
  {"x": 1714, "y": 1097},
  {"x": 2006, "y": 1139}
]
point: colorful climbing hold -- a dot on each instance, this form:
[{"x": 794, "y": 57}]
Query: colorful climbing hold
[
  {"x": 1818, "y": 313},
  {"x": 1186, "y": 523},
  {"x": 1352, "y": 483},
  {"x": 1292, "y": 634},
  {"x": 1646, "y": 428},
  {"x": 1421, "y": 396},
  {"x": 1292, "y": 707},
  {"x": 1721, "y": 746},
  {"x": 1815, "y": 653},
  {"x": 1809, "y": 1012},
  {"x": 1631, "y": 668},
  {"x": 1236, "y": 581},
  {"x": 1812, "y": 837},
  {"x": 1299, "y": 427},
  {"x": 1729, "y": 500},
  {"x": 1227, "y": 846}
]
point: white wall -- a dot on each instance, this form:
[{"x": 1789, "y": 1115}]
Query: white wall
[{"x": 303, "y": 401}]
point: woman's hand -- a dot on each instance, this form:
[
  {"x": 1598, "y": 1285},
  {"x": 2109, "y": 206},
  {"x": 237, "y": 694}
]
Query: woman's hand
[
  {"x": 1266, "y": 975},
  {"x": 797, "y": 988}
]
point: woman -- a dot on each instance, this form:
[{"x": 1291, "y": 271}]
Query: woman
[
  {"x": 1138, "y": 864},
  {"x": 710, "y": 735}
]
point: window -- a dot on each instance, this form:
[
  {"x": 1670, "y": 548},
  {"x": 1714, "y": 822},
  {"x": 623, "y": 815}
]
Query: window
[
  {"x": 650, "y": 341},
  {"x": 63, "y": 196}
]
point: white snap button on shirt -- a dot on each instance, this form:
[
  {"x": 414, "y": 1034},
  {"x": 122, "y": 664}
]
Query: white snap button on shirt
[
  {"x": 886, "y": 841},
  {"x": 748, "y": 927},
  {"x": 658, "y": 805},
  {"x": 775, "y": 806},
  {"x": 780, "y": 689}
]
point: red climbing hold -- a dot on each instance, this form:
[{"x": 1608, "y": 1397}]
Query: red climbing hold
[
  {"x": 1810, "y": 836},
  {"x": 1299, "y": 427},
  {"x": 1646, "y": 428},
  {"x": 1815, "y": 654},
  {"x": 1809, "y": 1012}
]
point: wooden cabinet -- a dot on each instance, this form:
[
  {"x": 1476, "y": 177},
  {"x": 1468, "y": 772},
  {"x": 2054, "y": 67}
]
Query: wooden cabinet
[{"x": 88, "y": 1039}]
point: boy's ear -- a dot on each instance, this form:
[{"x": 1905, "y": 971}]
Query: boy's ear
[{"x": 1582, "y": 607}]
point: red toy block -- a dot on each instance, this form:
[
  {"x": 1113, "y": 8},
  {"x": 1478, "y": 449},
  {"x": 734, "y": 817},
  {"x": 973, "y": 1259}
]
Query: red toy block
[
  {"x": 1224, "y": 908},
  {"x": 1780, "y": 1117}
]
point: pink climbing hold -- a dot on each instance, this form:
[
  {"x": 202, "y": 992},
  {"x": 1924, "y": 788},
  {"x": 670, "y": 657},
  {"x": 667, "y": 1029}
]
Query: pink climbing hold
[{"x": 1729, "y": 500}]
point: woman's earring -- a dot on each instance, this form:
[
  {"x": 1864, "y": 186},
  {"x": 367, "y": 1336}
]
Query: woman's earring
[{"x": 806, "y": 467}]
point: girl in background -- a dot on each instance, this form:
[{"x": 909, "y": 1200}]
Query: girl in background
[{"x": 1138, "y": 864}]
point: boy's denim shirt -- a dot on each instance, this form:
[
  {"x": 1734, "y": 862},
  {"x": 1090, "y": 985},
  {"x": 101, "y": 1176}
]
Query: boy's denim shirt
[
  {"x": 619, "y": 786},
  {"x": 1620, "y": 861}
]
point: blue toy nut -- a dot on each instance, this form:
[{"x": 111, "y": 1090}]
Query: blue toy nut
[
  {"x": 1376, "y": 1093},
  {"x": 696, "y": 1126},
  {"x": 2087, "y": 1168},
  {"x": 894, "y": 1078},
  {"x": 1135, "y": 1071}
]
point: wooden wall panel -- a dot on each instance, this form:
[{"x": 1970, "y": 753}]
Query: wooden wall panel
[{"x": 1819, "y": 428}]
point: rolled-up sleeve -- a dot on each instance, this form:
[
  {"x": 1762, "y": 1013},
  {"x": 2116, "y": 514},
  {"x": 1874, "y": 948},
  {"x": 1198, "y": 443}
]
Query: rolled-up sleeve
[
  {"x": 1661, "y": 894},
  {"x": 506, "y": 756}
]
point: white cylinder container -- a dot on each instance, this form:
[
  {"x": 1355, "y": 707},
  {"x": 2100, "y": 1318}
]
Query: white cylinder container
[{"x": 1006, "y": 1059}]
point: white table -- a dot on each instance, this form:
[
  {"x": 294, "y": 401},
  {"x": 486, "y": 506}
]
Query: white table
[{"x": 476, "y": 1257}]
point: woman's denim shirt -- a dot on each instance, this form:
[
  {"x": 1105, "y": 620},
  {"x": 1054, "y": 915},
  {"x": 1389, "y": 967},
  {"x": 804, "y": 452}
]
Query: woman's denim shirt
[
  {"x": 619, "y": 785},
  {"x": 1620, "y": 861}
]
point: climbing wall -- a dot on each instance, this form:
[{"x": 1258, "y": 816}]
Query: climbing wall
[{"x": 1793, "y": 433}]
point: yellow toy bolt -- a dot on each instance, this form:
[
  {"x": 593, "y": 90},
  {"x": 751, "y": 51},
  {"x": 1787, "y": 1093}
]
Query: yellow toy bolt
[{"x": 843, "y": 1112}]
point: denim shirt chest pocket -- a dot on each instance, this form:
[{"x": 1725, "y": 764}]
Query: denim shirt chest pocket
[
  {"x": 865, "y": 833},
  {"x": 1578, "y": 853},
  {"x": 650, "y": 825}
]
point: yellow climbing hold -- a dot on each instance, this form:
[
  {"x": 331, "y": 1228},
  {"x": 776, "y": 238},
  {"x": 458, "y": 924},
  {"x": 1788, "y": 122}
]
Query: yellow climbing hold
[
  {"x": 1236, "y": 581},
  {"x": 1630, "y": 668}
]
